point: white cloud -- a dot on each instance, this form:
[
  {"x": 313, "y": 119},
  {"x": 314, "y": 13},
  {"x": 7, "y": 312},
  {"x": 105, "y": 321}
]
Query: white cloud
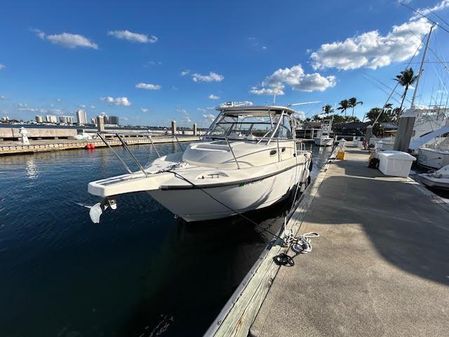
[
  {"x": 209, "y": 117},
  {"x": 123, "y": 101},
  {"x": 186, "y": 115},
  {"x": 372, "y": 50},
  {"x": 426, "y": 11},
  {"x": 185, "y": 72},
  {"x": 67, "y": 40},
  {"x": 300, "y": 114},
  {"x": 152, "y": 63},
  {"x": 144, "y": 109},
  {"x": 296, "y": 78},
  {"x": 148, "y": 86},
  {"x": 133, "y": 37},
  {"x": 2, "y": 66},
  {"x": 26, "y": 108},
  {"x": 2, "y": 98},
  {"x": 270, "y": 91},
  {"x": 211, "y": 77},
  {"x": 212, "y": 96}
]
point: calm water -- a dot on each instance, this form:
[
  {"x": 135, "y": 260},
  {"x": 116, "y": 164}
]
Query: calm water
[{"x": 140, "y": 272}]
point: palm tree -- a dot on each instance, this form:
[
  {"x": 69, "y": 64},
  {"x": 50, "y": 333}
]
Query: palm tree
[
  {"x": 406, "y": 78},
  {"x": 327, "y": 109},
  {"x": 344, "y": 105},
  {"x": 353, "y": 103}
]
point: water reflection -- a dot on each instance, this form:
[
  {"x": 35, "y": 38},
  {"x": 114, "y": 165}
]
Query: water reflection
[{"x": 31, "y": 169}]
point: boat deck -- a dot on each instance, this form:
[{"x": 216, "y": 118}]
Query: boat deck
[{"x": 379, "y": 268}]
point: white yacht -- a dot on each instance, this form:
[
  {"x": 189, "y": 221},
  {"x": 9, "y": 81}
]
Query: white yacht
[
  {"x": 323, "y": 137},
  {"x": 247, "y": 160}
]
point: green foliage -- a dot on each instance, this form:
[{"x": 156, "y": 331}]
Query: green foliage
[
  {"x": 336, "y": 118},
  {"x": 327, "y": 109},
  {"x": 406, "y": 78}
]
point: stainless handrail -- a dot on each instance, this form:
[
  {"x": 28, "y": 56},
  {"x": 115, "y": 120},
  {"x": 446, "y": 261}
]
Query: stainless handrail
[
  {"x": 177, "y": 140},
  {"x": 276, "y": 129},
  {"x": 233, "y": 154},
  {"x": 154, "y": 146},
  {"x": 115, "y": 153},
  {"x": 132, "y": 155}
]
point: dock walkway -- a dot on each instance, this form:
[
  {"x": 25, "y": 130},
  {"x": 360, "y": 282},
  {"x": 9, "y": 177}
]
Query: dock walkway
[{"x": 379, "y": 268}]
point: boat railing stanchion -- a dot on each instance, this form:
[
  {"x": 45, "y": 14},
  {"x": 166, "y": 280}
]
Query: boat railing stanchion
[
  {"x": 154, "y": 146},
  {"x": 179, "y": 143},
  {"x": 114, "y": 152},
  {"x": 125, "y": 146},
  {"x": 232, "y": 151}
]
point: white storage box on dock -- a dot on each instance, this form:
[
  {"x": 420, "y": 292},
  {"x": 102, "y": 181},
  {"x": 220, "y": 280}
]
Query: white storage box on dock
[{"x": 395, "y": 163}]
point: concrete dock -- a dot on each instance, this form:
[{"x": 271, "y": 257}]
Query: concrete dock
[
  {"x": 379, "y": 268},
  {"x": 49, "y": 145}
]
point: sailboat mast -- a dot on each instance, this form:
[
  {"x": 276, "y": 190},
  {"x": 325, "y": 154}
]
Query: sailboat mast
[{"x": 421, "y": 67}]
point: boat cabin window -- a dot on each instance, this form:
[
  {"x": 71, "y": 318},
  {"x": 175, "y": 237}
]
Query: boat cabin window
[{"x": 246, "y": 126}]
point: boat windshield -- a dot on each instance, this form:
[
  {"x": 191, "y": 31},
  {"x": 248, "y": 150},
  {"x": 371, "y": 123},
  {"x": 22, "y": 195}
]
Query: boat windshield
[{"x": 251, "y": 127}]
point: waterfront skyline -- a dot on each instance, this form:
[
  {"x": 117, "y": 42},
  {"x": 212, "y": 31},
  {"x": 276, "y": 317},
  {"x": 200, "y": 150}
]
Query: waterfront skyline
[{"x": 152, "y": 62}]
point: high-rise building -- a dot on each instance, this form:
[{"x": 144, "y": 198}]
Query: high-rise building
[
  {"x": 66, "y": 119},
  {"x": 51, "y": 119},
  {"x": 81, "y": 117},
  {"x": 113, "y": 120},
  {"x": 39, "y": 119}
]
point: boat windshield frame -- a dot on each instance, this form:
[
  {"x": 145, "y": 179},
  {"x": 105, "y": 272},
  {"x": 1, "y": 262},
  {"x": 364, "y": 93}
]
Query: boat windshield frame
[{"x": 252, "y": 126}]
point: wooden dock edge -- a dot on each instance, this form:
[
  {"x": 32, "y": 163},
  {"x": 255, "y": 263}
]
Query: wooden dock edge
[{"x": 239, "y": 313}]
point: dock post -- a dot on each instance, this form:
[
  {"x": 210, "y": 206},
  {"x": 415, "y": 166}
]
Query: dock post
[
  {"x": 405, "y": 130},
  {"x": 173, "y": 127},
  {"x": 100, "y": 123},
  {"x": 195, "y": 129}
]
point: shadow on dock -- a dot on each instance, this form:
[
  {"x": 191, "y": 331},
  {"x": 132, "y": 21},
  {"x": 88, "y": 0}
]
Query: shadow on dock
[{"x": 400, "y": 221}]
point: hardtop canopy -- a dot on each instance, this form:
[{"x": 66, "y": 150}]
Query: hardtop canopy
[{"x": 255, "y": 110}]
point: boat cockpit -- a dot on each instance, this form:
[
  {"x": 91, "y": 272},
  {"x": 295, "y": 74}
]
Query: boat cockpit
[{"x": 254, "y": 124}]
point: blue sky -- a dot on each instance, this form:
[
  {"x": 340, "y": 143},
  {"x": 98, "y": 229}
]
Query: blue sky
[{"x": 153, "y": 61}]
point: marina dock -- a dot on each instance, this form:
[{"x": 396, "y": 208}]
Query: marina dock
[
  {"x": 49, "y": 145},
  {"x": 379, "y": 268}
]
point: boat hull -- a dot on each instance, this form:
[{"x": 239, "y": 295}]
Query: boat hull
[
  {"x": 432, "y": 158},
  {"x": 198, "y": 204}
]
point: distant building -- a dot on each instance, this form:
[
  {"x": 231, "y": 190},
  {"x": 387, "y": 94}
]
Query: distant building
[
  {"x": 66, "y": 119},
  {"x": 39, "y": 119},
  {"x": 112, "y": 120},
  {"x": 51, "y": 119},
  {"x": 93, "y": 120},
  {"x": 81, "y": 117}
]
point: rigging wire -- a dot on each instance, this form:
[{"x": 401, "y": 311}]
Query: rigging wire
[
  {"x": 379, "y": 85},
  {"x": 424, "y": 16},
  {"x": 397, "y": 83}
]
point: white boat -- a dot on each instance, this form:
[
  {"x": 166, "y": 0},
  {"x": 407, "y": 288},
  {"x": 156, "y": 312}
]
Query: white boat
[
  {"x": 323, "y": 137},
  {"x": 433, "y": 157},
  {"x": 437, "y": 179},
  {"x": 247, "y": 160}
]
